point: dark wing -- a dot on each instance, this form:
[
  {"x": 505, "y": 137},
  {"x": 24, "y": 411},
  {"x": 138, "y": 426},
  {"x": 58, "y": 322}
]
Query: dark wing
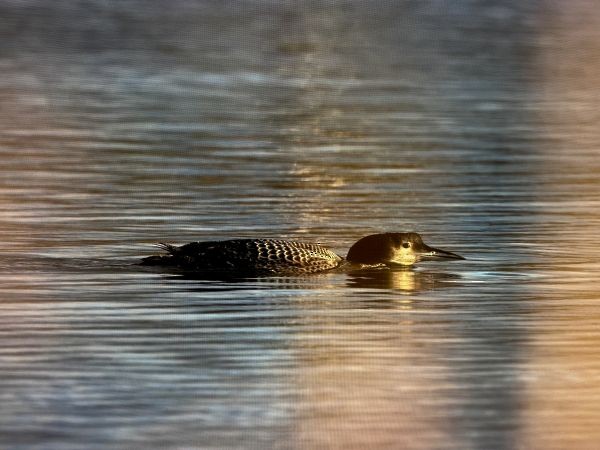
[{"x": 253, "y": 256}]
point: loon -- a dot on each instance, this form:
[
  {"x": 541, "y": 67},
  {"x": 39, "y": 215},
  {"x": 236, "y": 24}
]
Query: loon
[{"x": 280, "y": 257}]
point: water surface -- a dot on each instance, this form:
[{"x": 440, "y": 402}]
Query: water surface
[{"x": 132, "y": 123}]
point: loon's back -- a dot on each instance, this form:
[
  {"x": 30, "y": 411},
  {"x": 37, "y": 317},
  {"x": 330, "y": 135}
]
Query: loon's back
[{"x": 248, "y": 256}]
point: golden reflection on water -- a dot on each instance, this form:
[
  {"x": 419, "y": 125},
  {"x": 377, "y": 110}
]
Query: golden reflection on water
[
  {"x": 370, "y": 385},
  {"x": 562, "y": 395},
  {"x": 406, "y": 281}
]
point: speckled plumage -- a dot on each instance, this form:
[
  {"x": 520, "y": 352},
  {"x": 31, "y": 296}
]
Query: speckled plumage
[{"x": 249, "y": 256}]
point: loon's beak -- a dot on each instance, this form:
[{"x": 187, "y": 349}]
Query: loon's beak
[{"x": 430, "y": 252}]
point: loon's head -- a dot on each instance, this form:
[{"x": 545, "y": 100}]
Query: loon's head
[{"x": 403, "y": 249}]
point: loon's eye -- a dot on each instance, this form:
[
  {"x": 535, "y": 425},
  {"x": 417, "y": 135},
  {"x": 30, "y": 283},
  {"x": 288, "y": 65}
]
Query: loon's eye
[{"x": 406, "y": 245}]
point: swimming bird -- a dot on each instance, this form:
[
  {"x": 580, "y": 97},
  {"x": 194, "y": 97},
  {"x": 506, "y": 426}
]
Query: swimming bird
[{"x": 280, "y": 257}]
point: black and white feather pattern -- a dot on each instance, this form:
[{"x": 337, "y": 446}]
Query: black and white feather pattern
[{"x": 249, "y": 256}]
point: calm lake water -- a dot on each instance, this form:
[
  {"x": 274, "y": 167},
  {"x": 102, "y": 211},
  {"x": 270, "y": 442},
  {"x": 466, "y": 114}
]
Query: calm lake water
[{"x": 127, "y": 123}]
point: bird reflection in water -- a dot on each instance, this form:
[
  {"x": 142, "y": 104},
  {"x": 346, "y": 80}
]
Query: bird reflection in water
[{"x": 405, "y": 280}]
